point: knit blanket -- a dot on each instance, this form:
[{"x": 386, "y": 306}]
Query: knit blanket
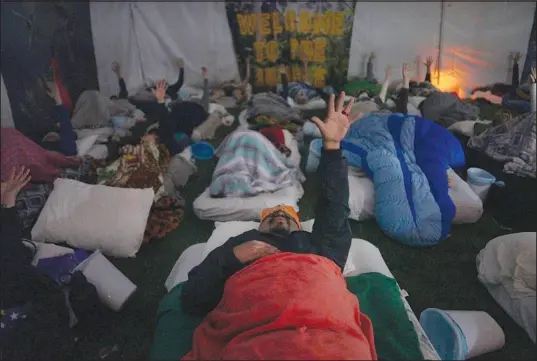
[
  {"x": 512, "y": 143},
  {"x": 407, "y": 157},
  {"x": 143, "y": 166},
  {"x": 286, "y": 306},
  {"x": 273, "y": 106},
  {"x": 249, "y": 164}
]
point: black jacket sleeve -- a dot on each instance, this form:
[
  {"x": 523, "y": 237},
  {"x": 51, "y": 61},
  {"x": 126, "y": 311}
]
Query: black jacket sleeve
[
  {"x": 167, "y": 129},
  {"x": 123, "y": 93},
  {"x": 205, "y": 286},
  {"x": 515, "y": 77},
  {"x": 174, "y": 88},
  {"x": 11, "y": 229},
  {"x": 401, "y": 103},
  {"x": 331, "y": 233}
]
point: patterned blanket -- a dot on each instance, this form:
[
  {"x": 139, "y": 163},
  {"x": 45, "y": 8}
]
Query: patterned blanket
[
  {"x": 512, "y": 142},
  {"x": 407, "y": 158},
  {"x": 143, "y": 166},
  {"x": 249, "y": 164}
]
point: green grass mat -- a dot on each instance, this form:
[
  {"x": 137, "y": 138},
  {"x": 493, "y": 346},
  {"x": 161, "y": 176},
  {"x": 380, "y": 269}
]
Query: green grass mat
[{"x": 444, "y": 276}]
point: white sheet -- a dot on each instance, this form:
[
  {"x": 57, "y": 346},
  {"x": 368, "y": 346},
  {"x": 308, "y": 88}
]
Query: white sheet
[
  {"x": 364, "y": 255},
  {"x": 148, "y": 37}
]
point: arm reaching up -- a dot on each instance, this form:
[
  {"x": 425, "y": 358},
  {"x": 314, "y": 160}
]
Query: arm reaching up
[
  {"x": 533, "y": 89},
  {"x": 174, "y": 88},
  {"x": 123, "y": 93},
  {"x": 246, "y": 79},
  {"x": 385, "y": 84},
  {"x": 331, "y": 231},
  {"x": 428, "y": 65},
  {"x": 402, "y": 98}
]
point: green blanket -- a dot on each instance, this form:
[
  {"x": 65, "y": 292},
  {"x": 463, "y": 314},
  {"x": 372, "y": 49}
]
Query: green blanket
[
  {"x": 379, "y": 297},
  {"x": 356, "y": 87}
]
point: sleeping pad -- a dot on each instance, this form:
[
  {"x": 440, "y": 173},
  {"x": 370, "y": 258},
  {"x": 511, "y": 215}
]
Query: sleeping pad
[
  {"x": 379, "y": 297},
  {"x": 407, "y": 158}
]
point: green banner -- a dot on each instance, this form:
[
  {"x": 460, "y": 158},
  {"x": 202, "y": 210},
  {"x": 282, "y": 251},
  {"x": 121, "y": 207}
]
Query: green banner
[{"x": 278, "y": 32}]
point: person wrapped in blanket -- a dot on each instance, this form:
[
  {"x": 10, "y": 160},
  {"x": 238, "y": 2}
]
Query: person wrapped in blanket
[
  {"x": 278, "y": 292},
  {"x": 239, "y": 91},
  {"x": 514, "y": 96},
  {"x": 301, "y": 92}
]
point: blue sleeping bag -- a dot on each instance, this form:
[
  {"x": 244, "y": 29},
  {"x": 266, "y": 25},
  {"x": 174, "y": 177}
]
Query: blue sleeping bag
[{"x": 407, "y": 157}]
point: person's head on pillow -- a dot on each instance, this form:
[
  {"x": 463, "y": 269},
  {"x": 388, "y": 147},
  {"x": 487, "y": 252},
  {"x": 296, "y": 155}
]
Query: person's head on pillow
[
  {"x": 280, "y": 220},
  {"x": 301, "y": 97}
]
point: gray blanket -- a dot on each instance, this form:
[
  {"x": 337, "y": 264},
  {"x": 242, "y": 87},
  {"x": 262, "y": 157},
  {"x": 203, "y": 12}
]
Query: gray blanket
[
  {"x": 512, "y": 142},
  {"x": 274, "y": 106},
  {"x": 93, "y": 110},
  {"x": 446, "y": 109}
]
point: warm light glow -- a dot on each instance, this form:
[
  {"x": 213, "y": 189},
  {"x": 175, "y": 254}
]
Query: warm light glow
[{"x": 449, "y": 83}]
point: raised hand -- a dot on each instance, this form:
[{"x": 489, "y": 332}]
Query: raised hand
[
  {"x": 204, "y": 72},
  {"x": 516, "y": 56},
  {"x": 116, "y": 68},
  {"x": 405, "y": 71},
  {"x": 9, "y": 189},
  {"x": 253, "y": 250},
  {"x": 282, "y": 69},
  {"x": 180, "y": 63},
  {"x": 388, "y": 71},
  {"x": 337, "y": 122},
  {"x": 429, "y": 62},
  {"x": 53, "y": 91},
  {"x": 160, "y": 91},
  {"x": 533, "y": 76}
]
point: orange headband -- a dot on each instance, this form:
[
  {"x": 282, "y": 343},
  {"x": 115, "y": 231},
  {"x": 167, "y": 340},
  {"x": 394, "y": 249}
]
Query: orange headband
[{"x": 281, "y": 208}]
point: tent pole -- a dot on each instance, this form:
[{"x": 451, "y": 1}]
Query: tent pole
[{"x": 440, "y": 44}]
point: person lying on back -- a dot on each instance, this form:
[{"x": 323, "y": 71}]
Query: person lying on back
[{"x": 278, "y": 292}]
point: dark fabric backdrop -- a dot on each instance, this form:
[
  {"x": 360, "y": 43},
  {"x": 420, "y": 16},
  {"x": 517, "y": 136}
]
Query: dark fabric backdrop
[
  {"x": 531, "y": 53},
  {"x": 29, "y": 32}
]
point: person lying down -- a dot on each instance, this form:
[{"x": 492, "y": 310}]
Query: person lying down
[
  {"x": 282, "y": 286},
  {"x": 239, "y": 91}
]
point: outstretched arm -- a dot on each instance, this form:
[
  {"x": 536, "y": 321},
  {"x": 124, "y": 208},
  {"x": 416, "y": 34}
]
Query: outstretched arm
[
  {"x": 428, "y": 65},
  {"x": 331, "y": 232},
  {"x": 401, "y": 102},
  {"x": 285, "y": 81},
  {"x": 123, "y": 93},
  {"x": 385, "y": 85},
  {"x": 515, "y": 77},
  {"x": 533, "y": 89},
  {"x": 174, "y": 88},
  {"x": 206, "y": 93}
]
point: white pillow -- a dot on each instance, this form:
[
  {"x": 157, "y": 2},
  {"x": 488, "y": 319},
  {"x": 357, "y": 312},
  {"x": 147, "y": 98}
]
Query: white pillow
[
  {"x": 83, "y": 145},
  {"x": 244, "y": 208},
  {"x": 95, "y": 217},
  {"x": 363, "y": 256}
]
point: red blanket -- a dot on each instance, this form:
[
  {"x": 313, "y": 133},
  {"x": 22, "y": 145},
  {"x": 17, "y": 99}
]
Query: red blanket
[{"x": 286, "y": 306}]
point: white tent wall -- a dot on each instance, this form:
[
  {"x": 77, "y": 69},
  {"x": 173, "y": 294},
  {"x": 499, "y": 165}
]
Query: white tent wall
[
  {"x": 480, "y": 36},
  {"x": 7, "y": 117},
  {"x": 114, "y": 39},
  {"x": 151, "y": 36},
  {"x": 396, "y": 32}
]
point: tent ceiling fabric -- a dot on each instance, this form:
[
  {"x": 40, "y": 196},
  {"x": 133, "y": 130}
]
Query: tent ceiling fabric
[
  {"x": 7, "y": 117},
  {"x": 148, "y": 37}
]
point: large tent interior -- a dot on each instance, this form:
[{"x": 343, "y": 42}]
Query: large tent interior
[{"x": 65, "y": 51}]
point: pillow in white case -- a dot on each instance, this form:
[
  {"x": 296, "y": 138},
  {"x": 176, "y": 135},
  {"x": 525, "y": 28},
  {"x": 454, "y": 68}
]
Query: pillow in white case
[
  {"x": 95, "y": 217},
  {"x": 83, "y": 145}
]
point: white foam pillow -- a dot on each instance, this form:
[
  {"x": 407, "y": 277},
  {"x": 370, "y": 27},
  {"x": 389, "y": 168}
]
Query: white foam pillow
[
  {"x": 93, "y": 217},
  {"x": 83, "y": 145},
  {"x": 468, "y": 206},
  {"x": 244, "y": 209},
  {"x": 363, "y": 256}
]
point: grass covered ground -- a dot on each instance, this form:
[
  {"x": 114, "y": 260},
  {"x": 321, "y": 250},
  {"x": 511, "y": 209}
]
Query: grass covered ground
[{"x": 443, "y": 276}]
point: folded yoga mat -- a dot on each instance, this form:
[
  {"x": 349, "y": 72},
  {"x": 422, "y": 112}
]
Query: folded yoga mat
[{"x": 379, "y": 297}]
